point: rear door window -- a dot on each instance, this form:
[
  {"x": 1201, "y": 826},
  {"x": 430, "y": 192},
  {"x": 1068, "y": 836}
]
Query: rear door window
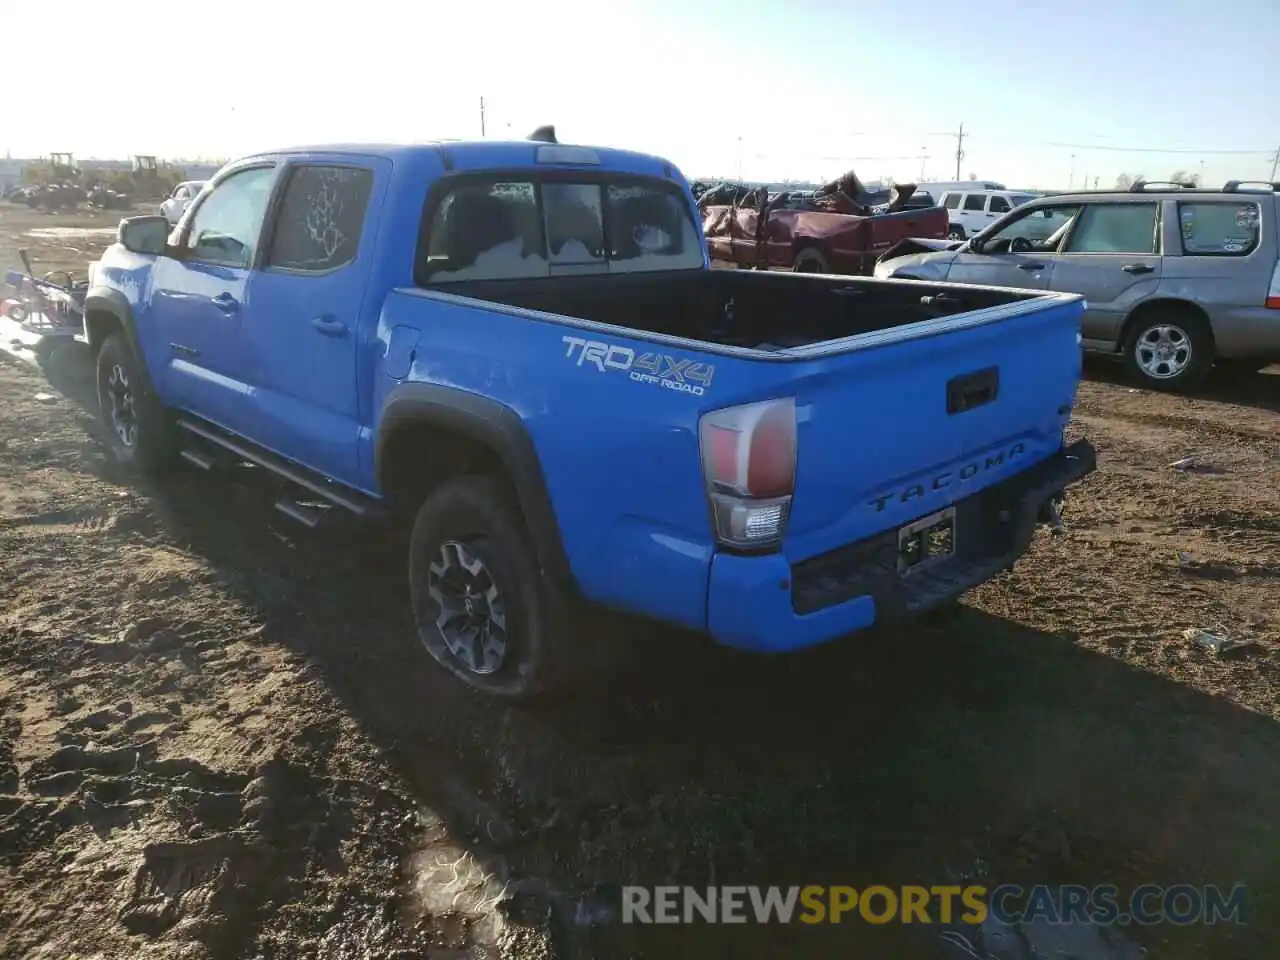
[
  {"x": 482, "y": 230},
  {"x": 951, "y": 200},
  {"x": 1218, "y": 229},
  {"x": 321, "y": 217},
  {"x": 1115, "y": 228}
]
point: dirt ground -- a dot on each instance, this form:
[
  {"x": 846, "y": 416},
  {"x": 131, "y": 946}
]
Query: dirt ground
[{"x": 219, "y": 740}]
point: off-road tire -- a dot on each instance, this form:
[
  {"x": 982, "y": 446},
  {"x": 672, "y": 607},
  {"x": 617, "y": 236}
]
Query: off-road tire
[
  {"x": 153, "y": 445},
  {"x": 1188, "y": 327},
  {"x": 480, "y": 513},
  {"x": 810, "y": 260}
]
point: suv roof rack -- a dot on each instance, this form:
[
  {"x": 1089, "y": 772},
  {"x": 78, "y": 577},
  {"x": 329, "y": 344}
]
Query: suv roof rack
[
  {"x": 1140, "y": 186},
  {"x": 1233, "y": 186}
]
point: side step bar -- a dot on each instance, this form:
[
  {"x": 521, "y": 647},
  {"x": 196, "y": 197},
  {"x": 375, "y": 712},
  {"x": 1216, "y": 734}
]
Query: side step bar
[
  {"x": 303, "y": 514},
  {"x": 198, "y": 458},
  {"x": 348, "y": 499}
]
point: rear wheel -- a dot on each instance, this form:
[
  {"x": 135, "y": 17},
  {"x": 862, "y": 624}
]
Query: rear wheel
[
  {"x": 1169, "y": 349},
  {"x": 956, "y": 232},
  {"x": 810, "y": 260},
  {"x": 138, "y": 429},
  {"x": 481, "y": 606}
]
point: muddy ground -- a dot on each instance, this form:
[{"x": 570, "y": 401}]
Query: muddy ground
[{"x": 218, "y": 739}]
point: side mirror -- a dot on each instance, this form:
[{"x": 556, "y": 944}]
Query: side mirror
[{"x": 148, "y": 235}]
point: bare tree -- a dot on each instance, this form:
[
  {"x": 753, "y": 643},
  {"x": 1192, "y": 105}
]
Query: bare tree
[
  {"x": 1127, "y": 180},
  {"x": 1182, "y": 176}
]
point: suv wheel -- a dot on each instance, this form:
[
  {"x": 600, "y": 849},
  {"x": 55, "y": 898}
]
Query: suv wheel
[
  {"x": 956, "y": 232},
  {"x": 1169, "y": 349},
  {"x": 481, "y": 606},
  {"x": 137, "y": 426}
]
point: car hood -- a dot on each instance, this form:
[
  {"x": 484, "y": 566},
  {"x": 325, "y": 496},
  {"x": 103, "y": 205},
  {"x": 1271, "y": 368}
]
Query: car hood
[{"x": 932, "y": 265}]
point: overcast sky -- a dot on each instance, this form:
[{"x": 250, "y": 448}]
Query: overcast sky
[{"x": 770, "y": 89}]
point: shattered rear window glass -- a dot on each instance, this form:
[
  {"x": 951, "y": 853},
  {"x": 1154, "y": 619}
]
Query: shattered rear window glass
[
  {"x": 493, "y": 231},
  {"x": 321, "y": 218},
  {"x": 650, "y": 229}
]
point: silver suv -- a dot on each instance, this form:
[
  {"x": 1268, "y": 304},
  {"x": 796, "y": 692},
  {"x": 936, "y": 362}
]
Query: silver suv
[{"x": 1176, "y": 279}]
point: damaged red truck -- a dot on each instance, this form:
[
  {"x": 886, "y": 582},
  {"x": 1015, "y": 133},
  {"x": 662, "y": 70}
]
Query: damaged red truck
[{"x": 840, "y": 228}]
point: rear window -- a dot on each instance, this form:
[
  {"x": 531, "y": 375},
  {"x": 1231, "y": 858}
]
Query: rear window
[
  {"x": 1218, "y": 229},
  {"x": 975, "y": 201},
  {"x": 485, "y": 230},
  {"x": 1115, "y": 228},
  {"x": 951, "y": 200}
]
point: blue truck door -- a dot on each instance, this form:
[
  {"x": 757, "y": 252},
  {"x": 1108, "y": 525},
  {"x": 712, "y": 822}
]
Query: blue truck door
[
  {"x": 305, "y": 338},
  {"x": 200, "y": 300}
]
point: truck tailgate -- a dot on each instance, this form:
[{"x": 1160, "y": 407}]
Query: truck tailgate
[{"x": 897, "y": 429}]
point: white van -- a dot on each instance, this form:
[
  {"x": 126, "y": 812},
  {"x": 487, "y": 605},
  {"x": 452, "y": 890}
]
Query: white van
[{"x": 971, "y": 209}]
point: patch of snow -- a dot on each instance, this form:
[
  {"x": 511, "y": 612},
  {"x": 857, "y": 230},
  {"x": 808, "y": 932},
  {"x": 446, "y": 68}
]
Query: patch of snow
[
  {"x": 502, "y": 262},
  {"x": 70, "y": 233},
  {"x": 574, "y": 251}
]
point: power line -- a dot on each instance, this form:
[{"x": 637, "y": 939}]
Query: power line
[{"x": 1096, "y": 146}]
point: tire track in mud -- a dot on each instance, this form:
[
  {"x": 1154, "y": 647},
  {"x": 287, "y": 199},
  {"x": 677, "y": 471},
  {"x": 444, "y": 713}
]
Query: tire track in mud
[{"x": 191, "y": 781}]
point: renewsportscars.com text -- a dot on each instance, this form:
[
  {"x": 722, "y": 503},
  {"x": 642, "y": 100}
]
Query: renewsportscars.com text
[{"x": 1180, "y": 904}]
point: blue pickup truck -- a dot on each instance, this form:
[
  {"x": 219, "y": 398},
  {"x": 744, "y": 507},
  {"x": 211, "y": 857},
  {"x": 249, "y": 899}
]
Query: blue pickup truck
[{"x": 520, "y": 352}]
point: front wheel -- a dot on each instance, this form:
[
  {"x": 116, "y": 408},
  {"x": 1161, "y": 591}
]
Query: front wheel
[
  {"x": 137, "y": 427},
  {"x": 481, "y": 606},
  {"x": 1169, "y": 350}
]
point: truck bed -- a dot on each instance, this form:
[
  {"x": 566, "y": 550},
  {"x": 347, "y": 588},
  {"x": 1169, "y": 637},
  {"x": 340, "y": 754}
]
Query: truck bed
[{"x": 741, "y": 308}]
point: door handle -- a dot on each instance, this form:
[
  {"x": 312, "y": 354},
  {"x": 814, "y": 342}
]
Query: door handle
[
  {"x": 226, "y": 303},
  {"x": 329, "y": 326},
  {"x": 1138, "y": 268},
  {"x": 1031, "y": 266}
]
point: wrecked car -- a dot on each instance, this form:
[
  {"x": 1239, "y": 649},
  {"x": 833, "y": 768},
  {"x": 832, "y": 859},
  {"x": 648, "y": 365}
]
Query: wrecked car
[{"x": 840, "y": 228}]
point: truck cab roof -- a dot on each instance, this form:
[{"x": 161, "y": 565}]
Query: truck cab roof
[{"x": 462, "y": 155}]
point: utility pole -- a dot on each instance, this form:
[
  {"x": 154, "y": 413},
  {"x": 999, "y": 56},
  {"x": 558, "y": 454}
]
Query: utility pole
[
  {"x": 1275, "y": 162},
  {"x": 482, "y": 117},
  {"x": 959, "y": 149}
]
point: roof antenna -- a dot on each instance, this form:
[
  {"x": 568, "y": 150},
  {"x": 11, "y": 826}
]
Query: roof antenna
[{"x": 545, "y": 134}]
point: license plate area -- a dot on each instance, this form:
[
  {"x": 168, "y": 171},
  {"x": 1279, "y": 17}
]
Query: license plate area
[{"x": 927, "y": 542}]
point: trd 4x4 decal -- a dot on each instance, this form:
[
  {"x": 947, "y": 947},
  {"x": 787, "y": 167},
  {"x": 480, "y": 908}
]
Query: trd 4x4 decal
[{"x": 670, "y": 373}]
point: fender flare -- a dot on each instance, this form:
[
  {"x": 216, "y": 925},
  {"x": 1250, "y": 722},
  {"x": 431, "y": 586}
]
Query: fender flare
[
  {"x": 108, "y": 300},
  {"x": 499, "y": 428}
]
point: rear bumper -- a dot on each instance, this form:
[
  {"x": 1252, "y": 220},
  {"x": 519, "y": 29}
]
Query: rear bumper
[
  {"x": 768, "y": 604},
  {"x": 1247, "y": 332}
]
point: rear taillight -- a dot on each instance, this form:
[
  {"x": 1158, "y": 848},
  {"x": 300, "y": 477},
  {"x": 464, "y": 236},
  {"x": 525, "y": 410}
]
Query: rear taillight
[
  {"x": 749, "y": 463},
  {"x": 1273, "y": 292}
]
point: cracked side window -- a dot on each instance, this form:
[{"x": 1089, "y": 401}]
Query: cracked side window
[{"x": 320, "y": 218}]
